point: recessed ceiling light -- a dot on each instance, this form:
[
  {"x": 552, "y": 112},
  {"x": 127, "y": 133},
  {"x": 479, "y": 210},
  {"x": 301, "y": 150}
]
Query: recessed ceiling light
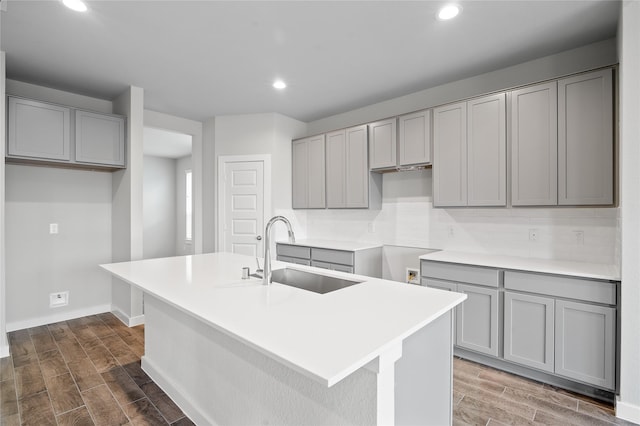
[
  {"x": 449, "y": 11},
  {"x": 77, "y": 5},
  {"x": 279, "y": 84}
]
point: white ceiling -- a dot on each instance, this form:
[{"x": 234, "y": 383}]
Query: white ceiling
[
  {"x": 163, "y": 143},
  {"x": 199, "y": 59}
]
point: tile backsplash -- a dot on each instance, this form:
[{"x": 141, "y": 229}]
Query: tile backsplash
[{"x": 408, "y": 218}]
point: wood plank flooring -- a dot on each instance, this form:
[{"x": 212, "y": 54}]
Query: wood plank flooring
[{"x": 87, "y": 371}]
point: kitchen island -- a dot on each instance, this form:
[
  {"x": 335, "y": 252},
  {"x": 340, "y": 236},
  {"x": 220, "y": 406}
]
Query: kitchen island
[{"x": 233, "y": 351}]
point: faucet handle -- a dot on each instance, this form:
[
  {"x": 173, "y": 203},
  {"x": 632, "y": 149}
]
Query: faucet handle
[{"x": 258, "y": 263}]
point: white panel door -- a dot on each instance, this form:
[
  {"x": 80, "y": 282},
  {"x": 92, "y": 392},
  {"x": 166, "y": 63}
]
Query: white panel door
[{"x": 244, "y": 208}]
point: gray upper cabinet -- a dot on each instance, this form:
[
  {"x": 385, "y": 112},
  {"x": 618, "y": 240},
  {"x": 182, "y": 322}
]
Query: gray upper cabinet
[
  {"x": 99, "y": 139},
  {"x": 534, "y": 145},
  {"x": 585, "y": 342},
  {"x": 308, "y": 173},
  {"x": 38, "y": 130},
  {"x": 450, "y": 155},
  {"x": 529, "y": 330},
  {"x": 585, "y": 139},
  {"x": 487, "y": 151},
  {"x": 56, "y": 135},
  {"x": 414, "y": 138},
  {"x": 347, "y": 168},
  {"x": 382, "y": 144}
]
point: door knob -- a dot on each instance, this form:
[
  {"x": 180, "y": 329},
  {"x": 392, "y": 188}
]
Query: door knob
[{"x": 259, "y": 237}]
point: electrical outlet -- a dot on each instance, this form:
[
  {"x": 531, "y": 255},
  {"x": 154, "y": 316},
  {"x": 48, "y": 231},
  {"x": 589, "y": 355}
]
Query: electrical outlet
[
  {"x": 371, "y": 227},
  {"x": 533, "y": 235},
  {"x": 58, "y": 299},
  {"x": 450, "y": 232},
  {"x": 579, "y": 234},
  {"x": 53, "y": 228},
  {"x": 412, "y": 276}
]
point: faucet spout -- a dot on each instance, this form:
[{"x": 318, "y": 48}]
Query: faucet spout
[{"x": 266, "y": 277}]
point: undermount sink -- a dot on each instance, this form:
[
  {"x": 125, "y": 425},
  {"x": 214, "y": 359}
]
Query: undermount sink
[{"x": 310, "y": 281}]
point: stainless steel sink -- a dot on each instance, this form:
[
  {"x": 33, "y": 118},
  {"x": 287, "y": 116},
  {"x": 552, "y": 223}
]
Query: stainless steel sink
[{"x": 310, "y": 281}]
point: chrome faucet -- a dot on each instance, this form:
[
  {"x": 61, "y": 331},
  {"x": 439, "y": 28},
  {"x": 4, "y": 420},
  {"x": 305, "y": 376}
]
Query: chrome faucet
[{"x": 266, "y": 277}]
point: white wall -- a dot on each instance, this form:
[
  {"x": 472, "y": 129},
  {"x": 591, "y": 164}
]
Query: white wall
[
  {"x": 181, "y": 246},
  {"x": 159, "y": 207},
  {"x": 407, "y": 217},
  {"x": 270, "y": 134},
  {"x": 4, "y": 344},
  {"x": 39, "y": 263},
  {"x": 628, "y": 405}
]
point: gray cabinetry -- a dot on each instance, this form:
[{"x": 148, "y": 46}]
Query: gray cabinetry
[
  {"x": 308, "y": 173},
  {"x": 486, "y": 151},
  {"x": 534, "y": 145},
  {"x": 414, "y": 138},
  {"x": 99, "y": 139},
  {"x": 59, "y": 135},
  {"x": 450, "y": 155},
  {"x": 529, "y": 330},
  {"x": 382, "y": 144},
  {"x": 585, "y": 343},
  {"x": 38, "y": 130},
  {"x": 349, "y": 183},
  {"x": 477, "y": 324},
  {"x": 585, "y": 139},
  {"x": 363, "y": 262}
]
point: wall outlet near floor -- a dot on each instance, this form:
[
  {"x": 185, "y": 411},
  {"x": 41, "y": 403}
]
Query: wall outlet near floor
[
  {"x": 58, "y": 299},
  {"x": 579, "y": 235},
  {"x": 412, "y": 276},
  {"x": 533, "y": 235}
]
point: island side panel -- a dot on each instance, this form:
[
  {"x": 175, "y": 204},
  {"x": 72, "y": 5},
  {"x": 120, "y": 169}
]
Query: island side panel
[
  {"x": 424, "y": 376},
  {"x": 218, "y": 380}
]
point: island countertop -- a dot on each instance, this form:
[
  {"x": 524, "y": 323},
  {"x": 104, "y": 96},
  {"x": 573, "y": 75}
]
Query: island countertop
[{"x": 324, "y": 336}]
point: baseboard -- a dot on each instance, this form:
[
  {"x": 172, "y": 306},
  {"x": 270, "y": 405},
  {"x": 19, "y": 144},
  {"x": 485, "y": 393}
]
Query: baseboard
[
  {"x": 196, "y": 415},
  {"x": 627, "y": 411},
  {"x": 126, "y": 319},
  {"x": 57, "y": 317}
]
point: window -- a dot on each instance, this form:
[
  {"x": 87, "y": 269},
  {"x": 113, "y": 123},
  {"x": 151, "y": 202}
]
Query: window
[{"x": 188, "y": 206}]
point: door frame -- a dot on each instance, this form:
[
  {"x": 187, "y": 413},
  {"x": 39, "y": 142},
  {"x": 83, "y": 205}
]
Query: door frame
[{"x": 223, "y": 160}]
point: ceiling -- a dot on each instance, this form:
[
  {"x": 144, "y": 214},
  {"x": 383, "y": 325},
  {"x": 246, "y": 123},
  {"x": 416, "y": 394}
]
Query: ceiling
[{"x": 199, "y": 59}]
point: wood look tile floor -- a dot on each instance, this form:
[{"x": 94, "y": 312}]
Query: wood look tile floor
[{"x": 87, "y": 371}]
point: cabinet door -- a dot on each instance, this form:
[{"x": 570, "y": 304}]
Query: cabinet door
[
  {"x": 336, "y": 169},
  {"x": 534, "y": 145},
  {"x": 382, "y": 144},
  {"x": 316, "y": 169},
  {"x": 299, "y": 156},
  {"x": 585, "y": 343},
  {"x": 487, "y": 151},
  {"x": 357, "y": 168},
  {"x": 38, "y": 130},
  {"x": 414, "y": 142},
  {"x": 99, "y": 139},
  {"x": 585, "y": 139},
  {"x": 450, "y": 155},
  {"x": 477, "y": 320},
  {"x": 528, "y": 330}
]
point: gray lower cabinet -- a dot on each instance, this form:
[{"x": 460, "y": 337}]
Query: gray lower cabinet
[
  {"x": 561, "y": 325},
  {"x": 363, "y": 262},
  {"x": 477, "y": 325},
  {"x": 585, "y": 342},
  {"x": 529, "y": 330}
]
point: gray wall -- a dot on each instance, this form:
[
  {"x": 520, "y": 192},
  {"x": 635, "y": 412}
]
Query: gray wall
[
  {"x": 159, "y": 206},
  {"x": 39, "y": 263}
]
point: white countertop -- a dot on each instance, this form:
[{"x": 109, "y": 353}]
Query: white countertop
[
  {"x": 559, "y": 267},
  {"x": 325, "y": 336},
  {"x": 334, "y": 245}
]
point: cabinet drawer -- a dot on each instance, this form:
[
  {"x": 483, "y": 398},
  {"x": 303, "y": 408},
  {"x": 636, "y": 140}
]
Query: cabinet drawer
[
  {"x": 570, "y": 288},
  {"x": 442, "y": 285},
  {"x": 295, "y": 260},
  {"x": 332, "y": 256},
  {"x": 293, "y": 251},
  {"x": 461, "y": 273},
  {"x": 342, "y": 268}
]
